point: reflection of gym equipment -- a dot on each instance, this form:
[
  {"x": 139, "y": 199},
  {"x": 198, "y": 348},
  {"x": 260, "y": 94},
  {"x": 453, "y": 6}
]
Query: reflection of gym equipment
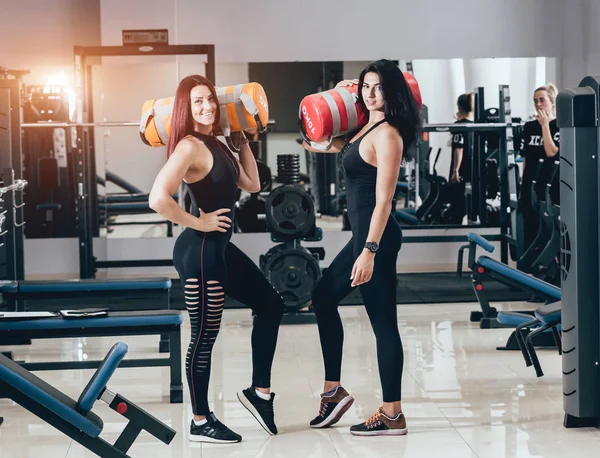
[
  {"x": 541, "y": 258},
  {"x": 50, "y": 198},
  {"x": 75, "y": 418},
  {"x": 249, "y": 208},
  {"x": 430, "y": 211},
  {"x": 292, "y": 269},
  {"x": 133, "y": 202}
]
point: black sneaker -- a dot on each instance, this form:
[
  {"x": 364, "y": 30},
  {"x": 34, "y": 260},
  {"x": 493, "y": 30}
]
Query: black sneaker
[
  {"x": 332, "y": 408},
  {"x": 261, "y": 409},
  {"x": 213, "y": 431}
]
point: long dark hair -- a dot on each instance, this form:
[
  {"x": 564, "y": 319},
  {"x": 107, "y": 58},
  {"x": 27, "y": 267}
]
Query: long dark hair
[
  {"x": 182, "y": 122},
  {"x": 401, "y": 110}
]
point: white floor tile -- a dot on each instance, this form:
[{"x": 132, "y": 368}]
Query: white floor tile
[{"x": 461, "y": 397}]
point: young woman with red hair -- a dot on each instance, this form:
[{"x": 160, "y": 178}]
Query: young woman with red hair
[{"x": 208, "y": 264}]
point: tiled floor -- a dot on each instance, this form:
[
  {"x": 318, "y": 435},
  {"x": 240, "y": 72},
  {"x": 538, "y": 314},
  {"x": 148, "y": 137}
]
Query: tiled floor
[{"x": 461, "y": 397}]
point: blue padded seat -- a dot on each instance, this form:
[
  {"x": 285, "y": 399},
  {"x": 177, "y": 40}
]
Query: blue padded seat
[
  {"x": 79, "y": 285},
  {"x": 35, "y": 388},
  {"x": 479, "y": 240},
  {"x": 98, "y": 382},
  {"x": 514, "y": 274},
  {"x": 550, "y": 313},
  {"x": 513, "y": 318},
  {"x": 114, "y": 319}
]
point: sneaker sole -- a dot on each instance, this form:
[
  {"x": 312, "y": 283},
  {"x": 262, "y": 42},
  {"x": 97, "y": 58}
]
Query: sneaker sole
[
  {"x": 250, "y": 408},
  {"x": 337, "y": 413},
  {"x": 389, "y": 432},
  {"x": 194, "y": 438}
]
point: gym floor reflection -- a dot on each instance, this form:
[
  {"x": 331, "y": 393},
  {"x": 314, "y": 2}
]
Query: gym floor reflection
[{"x": 461, "y": 397}]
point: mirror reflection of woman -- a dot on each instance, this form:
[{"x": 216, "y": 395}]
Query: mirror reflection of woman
[
  {"x": 541, "y": 140},
  {"x": 371, "y": 165}
]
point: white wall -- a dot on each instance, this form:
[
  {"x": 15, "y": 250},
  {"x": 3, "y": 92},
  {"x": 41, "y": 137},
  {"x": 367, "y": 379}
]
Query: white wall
[
  {"x": 42, "y": 33},
  {"x": 275, "y": 30}
]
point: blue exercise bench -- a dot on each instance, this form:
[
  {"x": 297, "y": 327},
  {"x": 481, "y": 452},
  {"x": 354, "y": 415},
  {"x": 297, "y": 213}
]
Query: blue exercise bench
[
  {"x": 152, "y": 322},
  {"x": 486, "y": 268},
  {"x": 148, "y": 293},
  {"x": 112, "y": 293},
  {"x": 75, "y": 418}
]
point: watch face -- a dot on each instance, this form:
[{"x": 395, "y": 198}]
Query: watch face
[{"x": 371, "y": 246}]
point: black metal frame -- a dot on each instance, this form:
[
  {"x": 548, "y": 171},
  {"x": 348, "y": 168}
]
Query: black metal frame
[
  {"x": 86, "y": 173},
  {"x": 11, "y": 165},
  {"x": 173, "y": 361}
]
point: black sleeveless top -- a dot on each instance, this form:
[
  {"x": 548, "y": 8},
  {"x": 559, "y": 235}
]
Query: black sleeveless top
[
  {"x": 360, "y": 176},
  {"x": 217, "y": 189}
]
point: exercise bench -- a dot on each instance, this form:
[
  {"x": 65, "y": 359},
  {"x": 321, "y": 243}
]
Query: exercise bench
[
  {"x": 115, "y": 293},
  {"x": 155, "y": 322},
  {"x": 486, "y": 268},
  {"x": 75, "y": 418}
]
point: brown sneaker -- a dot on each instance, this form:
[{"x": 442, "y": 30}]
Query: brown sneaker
[
  {"x": 381, "y": 425},
  {"x": 332, "y": 408}
]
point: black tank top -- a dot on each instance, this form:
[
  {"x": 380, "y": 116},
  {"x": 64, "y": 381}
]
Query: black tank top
[
  {"x": 217, "y": 189},
  {"x": 360, "y": 176}
]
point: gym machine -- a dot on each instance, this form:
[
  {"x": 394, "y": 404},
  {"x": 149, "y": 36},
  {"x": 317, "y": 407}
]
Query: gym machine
[{"x": 577, "y": 116}]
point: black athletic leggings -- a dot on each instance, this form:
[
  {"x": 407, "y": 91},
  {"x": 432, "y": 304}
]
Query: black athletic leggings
[
  {"x": 209, "y": 267},
  {"x": 379, "y": 296}
]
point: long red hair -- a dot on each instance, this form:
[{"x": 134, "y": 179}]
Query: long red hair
[{"x": 182, "y": 122}]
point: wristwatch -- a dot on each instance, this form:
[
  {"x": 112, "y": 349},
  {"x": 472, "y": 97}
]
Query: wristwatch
[{"x": 372, "y": 246}]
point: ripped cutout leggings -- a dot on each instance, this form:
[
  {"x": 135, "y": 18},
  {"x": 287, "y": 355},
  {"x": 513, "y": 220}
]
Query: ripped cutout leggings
[{"x": 211, "y": 267}]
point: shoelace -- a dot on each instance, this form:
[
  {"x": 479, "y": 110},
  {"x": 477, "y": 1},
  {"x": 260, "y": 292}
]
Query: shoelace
[
  {"x": 323, "y": 408},
  {"x": 373, "y": 420}
]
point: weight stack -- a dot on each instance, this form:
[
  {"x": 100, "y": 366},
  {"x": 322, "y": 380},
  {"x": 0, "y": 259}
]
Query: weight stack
[
  {"x": 577, "y": 110},
  {"x": 288, "y": 168}
]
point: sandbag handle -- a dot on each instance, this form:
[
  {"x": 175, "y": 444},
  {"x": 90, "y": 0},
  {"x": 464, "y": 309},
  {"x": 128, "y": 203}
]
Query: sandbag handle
[
  {"x": 144, "y": 123},
  {"x": 313, "y": 144},
  {"x": 251, "y": 108}
]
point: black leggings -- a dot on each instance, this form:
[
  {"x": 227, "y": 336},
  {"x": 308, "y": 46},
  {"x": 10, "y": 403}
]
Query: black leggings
[
  {"x": 379, "y": 296},
  {"x": 209, "y": 267}
]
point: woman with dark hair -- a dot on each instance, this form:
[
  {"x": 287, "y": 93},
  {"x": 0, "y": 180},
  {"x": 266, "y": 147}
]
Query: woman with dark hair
[
  {"x": 461, "y": 159},
  {"x": 371, "y": 165},
  {"x": 460, "y": 164},
  {"x": 208, "y": 264}
]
